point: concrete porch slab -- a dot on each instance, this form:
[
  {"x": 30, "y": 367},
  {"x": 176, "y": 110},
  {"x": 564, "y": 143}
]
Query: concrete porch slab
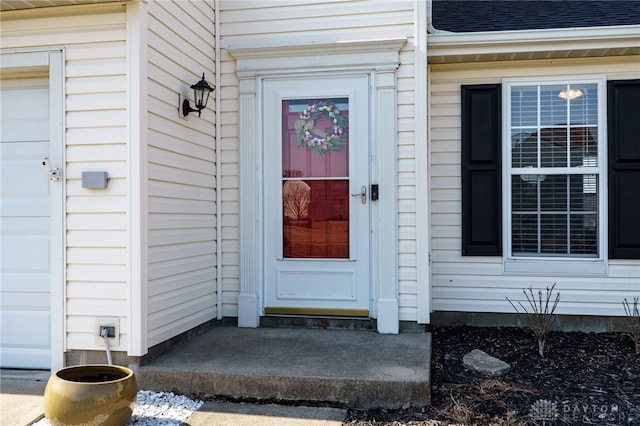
[{"x": 342, "y": 368}]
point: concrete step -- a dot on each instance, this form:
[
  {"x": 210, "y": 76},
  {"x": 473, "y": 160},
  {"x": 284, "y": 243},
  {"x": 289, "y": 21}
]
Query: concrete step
[{"x": 341, "y": 368}]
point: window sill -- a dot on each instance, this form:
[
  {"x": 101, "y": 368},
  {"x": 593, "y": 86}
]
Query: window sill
[{"x": 555, "y": 266}]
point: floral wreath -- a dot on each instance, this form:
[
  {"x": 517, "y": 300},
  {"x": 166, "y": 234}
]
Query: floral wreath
[{"x": 314, "y": 138}]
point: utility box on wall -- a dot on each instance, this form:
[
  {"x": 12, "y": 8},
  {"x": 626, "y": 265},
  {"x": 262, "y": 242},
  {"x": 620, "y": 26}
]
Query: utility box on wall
[{"x": 95, "y": 180}]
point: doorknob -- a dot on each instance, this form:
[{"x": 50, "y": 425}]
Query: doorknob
[
  {"x": 54, "y": 174},
  {"x": 362, "y": 194}
]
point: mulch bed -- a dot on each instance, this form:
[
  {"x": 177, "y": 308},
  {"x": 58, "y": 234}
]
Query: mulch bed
[{"x": 584, "y": 379}]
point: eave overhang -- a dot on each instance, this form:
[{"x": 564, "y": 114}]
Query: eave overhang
[{"x": 533, "y": 44}]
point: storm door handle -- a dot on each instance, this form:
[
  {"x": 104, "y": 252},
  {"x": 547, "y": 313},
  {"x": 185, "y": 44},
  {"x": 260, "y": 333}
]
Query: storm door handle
[{"x": 362, "y": 194}]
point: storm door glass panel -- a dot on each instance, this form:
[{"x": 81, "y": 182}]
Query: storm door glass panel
[{"x": 315, "y": 178}]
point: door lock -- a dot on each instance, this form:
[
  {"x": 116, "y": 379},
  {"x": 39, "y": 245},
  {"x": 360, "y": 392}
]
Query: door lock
[
  {"x": 362, "y": 194},
  {"x": 54, "y": 174}
]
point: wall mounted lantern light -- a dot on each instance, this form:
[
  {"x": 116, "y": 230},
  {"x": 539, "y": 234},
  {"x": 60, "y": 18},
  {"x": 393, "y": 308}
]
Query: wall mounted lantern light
[{"x": 201, "y": 92}]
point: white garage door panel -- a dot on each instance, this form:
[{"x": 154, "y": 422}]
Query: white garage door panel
[
  {"x": 26, "y": 255},
  {"x": 25, "y": 249},
  {"x": 25, "y": 109},
  {"x": 25, "y": 183},
  {"x": 25, "y": 225},
  {"x": 16, "y": 282},
  {"x": 25, "y": 130},
  {"x": 25, "y": 330}
]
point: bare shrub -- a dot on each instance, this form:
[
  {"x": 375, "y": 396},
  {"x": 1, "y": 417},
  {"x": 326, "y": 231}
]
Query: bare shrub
[
  {"x": 541, "y": 317},
  {"x": 633, "y": 317}
]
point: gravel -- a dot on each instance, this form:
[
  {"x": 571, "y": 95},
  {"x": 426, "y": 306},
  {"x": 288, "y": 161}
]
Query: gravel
[{"x": 157, "y": 409}]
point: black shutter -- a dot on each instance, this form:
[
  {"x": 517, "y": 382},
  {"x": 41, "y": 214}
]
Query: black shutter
[
  {"x": 481, "y": 170},
  {"x": 624, "y": 169}
]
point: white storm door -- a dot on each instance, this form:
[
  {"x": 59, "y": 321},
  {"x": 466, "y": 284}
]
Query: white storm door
[
  {"x": 25, "y": 224},
  {"x": 316, "y": 196}
]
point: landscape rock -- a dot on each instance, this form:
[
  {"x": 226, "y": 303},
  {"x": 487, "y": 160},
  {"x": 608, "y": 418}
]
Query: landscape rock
[{"x": 484, "y": 363}]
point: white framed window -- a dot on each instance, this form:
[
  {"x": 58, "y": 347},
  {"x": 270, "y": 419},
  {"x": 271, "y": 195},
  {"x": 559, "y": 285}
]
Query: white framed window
[{"x": 554, "y": 175}]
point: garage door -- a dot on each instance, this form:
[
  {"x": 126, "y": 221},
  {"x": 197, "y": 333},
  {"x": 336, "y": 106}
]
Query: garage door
[{"x": 25, "y": 225}]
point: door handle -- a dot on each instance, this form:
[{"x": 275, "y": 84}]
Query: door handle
[
  {"x": 54, "y": 174},
  {"x": 362, "y": 194}
]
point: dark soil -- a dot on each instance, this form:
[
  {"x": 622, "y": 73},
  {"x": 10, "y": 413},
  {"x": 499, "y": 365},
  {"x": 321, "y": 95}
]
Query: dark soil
[{"x": 584, "y": 379}]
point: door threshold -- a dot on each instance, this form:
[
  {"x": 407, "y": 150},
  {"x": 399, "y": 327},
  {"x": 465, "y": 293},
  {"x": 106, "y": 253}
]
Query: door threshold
[
  {"x": 319, "y": 322},
  {"x": 318, "y": 312}
]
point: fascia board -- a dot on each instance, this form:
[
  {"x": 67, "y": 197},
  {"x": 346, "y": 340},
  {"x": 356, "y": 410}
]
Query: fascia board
[{"x": 564, "y": 39}]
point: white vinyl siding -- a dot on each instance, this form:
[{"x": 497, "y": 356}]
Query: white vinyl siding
[
  {"x": 331, "y": 21},
  {"x": 93, "y": 37},
  {"x": 478, "y": 284},
  {"x": 180, "y": 158}
]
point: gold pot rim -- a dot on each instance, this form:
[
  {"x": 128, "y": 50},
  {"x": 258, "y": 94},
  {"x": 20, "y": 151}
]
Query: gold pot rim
[{"x": 66, "y": 373}]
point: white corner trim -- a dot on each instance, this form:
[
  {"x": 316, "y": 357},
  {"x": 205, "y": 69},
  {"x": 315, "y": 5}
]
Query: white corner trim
[
  {"x": 421, "y": 141},
  {"x": 136, "y": 14},
  {"x": 58, "y": 211},
  {"x": 534, "y": 40},
  {"x": 279, "y": 57}
]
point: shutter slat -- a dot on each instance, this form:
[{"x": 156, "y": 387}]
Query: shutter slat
[
  {"x": 481, "y": 170},
  {"x": 624, "y": 168}
]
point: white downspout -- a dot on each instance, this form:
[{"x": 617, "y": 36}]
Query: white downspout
[
  {"x": 216, "y": 14},
  {"x": 430, "y": 28}
]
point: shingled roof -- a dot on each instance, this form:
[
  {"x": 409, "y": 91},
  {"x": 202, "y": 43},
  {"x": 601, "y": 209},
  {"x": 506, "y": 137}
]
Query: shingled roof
[{"x": 508, "y": 15}]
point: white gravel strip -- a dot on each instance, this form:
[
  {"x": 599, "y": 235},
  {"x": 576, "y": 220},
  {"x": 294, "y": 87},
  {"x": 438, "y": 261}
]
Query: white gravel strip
[{"x": 157, "y": 409}]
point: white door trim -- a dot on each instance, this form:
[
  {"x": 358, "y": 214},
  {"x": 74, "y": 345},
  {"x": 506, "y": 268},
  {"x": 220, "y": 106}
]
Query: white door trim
[
  {"x": 377, "y": 58},
  {"x": 51, "y": 62}
]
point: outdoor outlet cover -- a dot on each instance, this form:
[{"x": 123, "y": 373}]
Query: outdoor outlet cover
[{"x": 109, "y": 322}]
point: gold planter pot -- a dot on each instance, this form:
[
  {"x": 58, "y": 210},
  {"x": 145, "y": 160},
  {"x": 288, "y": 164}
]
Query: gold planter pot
[{"x": 90, "y": 395}]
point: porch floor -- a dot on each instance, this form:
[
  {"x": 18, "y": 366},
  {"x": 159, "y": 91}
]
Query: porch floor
[{"x": 342, "y": 368}]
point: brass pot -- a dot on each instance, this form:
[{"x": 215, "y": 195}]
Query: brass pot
[{"x": 90, "y": 395}]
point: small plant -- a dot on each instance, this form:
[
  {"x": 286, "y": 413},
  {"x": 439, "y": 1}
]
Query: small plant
[
  {"x": 541, "y": 317},
  {"x": 633, "y": 316}
]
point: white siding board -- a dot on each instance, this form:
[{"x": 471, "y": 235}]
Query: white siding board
[
  {"x": 102, "y": 118},
  {"x": 93, "y": 255},
  {"x": 180, "y": 236},
  {"x": 181, "y": 182},
  {"x": 177, "y": 296},
  {"x": 89, "y": 101},
  {"x": 165, "y": 253},
  {"x": 187, "y": 160},
  {"x": 92, "y": 308},
  {"x": 172, "y": 205},
  {"x": 180, "y": 176},
  {"x": 87, "y": 290},
  {"x": 164, "y": 146},
  {"x": 96, "y": 238},
  {"x": 108, "y": 222},
  {"x": 478, "y": 284},
  {"x": 172, "y": 283},
  {"x": 85, "y": 272}
]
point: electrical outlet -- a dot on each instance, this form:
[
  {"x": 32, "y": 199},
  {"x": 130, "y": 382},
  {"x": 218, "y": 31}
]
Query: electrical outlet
[
  {"x": 112, "y": 325},
  {"x": 108, "y": 331}
]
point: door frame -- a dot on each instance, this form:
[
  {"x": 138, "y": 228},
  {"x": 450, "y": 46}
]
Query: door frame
[
  {"x": 50, "y": 62},
  {"x": 376, "y": 59}
]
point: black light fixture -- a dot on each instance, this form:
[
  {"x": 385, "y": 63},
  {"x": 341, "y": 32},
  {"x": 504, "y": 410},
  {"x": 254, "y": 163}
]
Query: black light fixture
[{"x": 201, "y": 92}]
